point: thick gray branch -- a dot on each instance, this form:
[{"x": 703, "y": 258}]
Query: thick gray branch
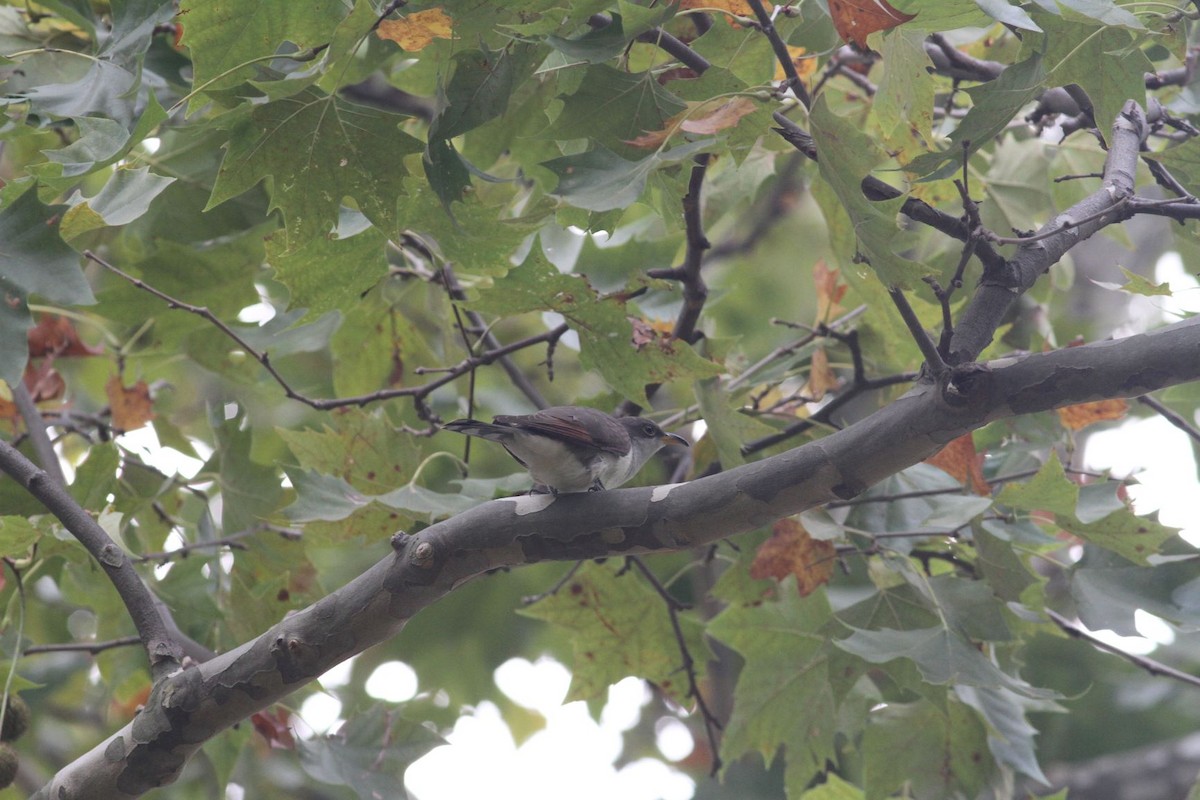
[
  {"x": 1000, "y": 288},
  {"x": 194, "y": 705}
]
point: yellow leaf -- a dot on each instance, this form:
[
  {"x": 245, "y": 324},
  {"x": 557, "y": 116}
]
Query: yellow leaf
[{"x": 417, "y": 31}]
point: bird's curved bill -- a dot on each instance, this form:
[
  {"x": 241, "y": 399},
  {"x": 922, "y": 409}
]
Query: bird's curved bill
[{"x": 674, "y": 438}]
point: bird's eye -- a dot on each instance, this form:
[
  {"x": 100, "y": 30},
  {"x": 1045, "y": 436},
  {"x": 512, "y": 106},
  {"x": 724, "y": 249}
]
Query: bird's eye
[{"x": 649, "y": 429}]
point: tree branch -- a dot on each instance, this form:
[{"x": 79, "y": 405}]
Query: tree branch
[
  {"x": 194, "y": 705},
  {"x": 161, "y": 648},
  {"x": 1000, "y": 288}
]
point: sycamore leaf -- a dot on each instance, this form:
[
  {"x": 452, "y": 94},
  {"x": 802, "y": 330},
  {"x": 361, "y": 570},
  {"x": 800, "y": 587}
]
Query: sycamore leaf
[
  {"x": 960, "y": 460},
  {"x": 1081, "y": 415},
  {"x": 627, "y": 359},
  {"x": 930, "y": 750},
  {"x": 601, "y": 180},
  {"x": 611, "y": 106},
  {"x": 131, "y": 406},
  {"x": 317, "y": 150},
  {"x": 784, "y": 645},
  {"x": 847, "y": 155},
  {"x": 619, "y": 627},
  {"x": 33, "y": 260},
  {"x": 224, "y": 36},
  {"x": 791, "y": 551},
  {"x": 855, "y": 20},
  {"x": 123, "y": 198},
  {"x": 416, "y": 31}
]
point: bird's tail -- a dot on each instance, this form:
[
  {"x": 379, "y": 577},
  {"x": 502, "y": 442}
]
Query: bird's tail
[{"x": 473, "y": 427}]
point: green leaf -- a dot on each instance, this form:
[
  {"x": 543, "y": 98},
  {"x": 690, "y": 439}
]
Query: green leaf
[
  {"x": 33, "y": 260},
  {"x": 1049, "y": 490},
  {"x": 1001, "y": 568},
  {"x": 1105, "y": 61},
  {"x": 1138, "y": 284},
  {"x": 784, "y": 645},
  {"x": 358, "y": 262},
  {"x": 995, "y": 104},
  {"x": 601, "y": 180},
  {"x": 446, "y": 172},
  {"x": 369, "y": 753},
  {"x": 927, "y": 751},
  {"x": 479, "y": 90},
  {"x": 606, "y": 335},
  {"x": 1002, "y": 11},
  {"x": 317, "y": 150},
  {"x": 249, "y": 491},
  {"x": 619, "y": 626},
  {"x": 1107, "y": 597},
  {"x": 17, "y": 535},
  {"x": 322, "y": 497},
  {"x": 847, "y": 155},
  {"x": 942, "y": 656},
  {"x": 612, "y": 106},
  {"x": 125, "y": 197},
  {"x": 834, "y": 788},
  {"x": 1010, "y": 737},
  {"x": 224, "y": 35}
]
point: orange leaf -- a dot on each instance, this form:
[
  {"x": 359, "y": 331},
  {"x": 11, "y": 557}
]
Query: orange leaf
[
  {"x": 791, "y": 551},
  {"x": 821, "y": 377},
  {"x": 855, "y": 20},
  {"x": 805, "y": 65},
  {"x": 1080, "y": 416},
  {"x": 131, "y": 408},
  {"x": 829, "y": 293},
  {"x": 56, "y": 336},
  {"x": 739, "y": 7},
  {"x": 960, "y": 461},
  {"x": 724, "y": 116},
  {"x": 417, "y": 31}
]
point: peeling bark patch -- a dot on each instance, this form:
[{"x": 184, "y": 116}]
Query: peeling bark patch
[
  {"x": 661, "y": 492},
  {"x": 530, "y": 503},
  {"x": 116, "y": 750}
]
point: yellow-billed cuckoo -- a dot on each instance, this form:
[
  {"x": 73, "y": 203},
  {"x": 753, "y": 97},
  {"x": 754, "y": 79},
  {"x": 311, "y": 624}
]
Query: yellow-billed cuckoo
[{"x": 573, "y": 448}]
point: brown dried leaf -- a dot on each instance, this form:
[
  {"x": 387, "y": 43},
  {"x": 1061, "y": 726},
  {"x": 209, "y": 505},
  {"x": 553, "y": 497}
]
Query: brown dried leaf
[
  {"x": 131, "y": 408},
  {"x": 829, "y": 293},
  {"x": 417, "y": 31},
  {"x": 960, "y": 461},
  {"x": 821, "y": 377},
  {"x": 855, "y": 20},
  {"x": 1080, "y": 416},
  {"x": 56, "y": 336},
  {"x": 724, "y": 116},
  {"x": 791, "y": 551}
]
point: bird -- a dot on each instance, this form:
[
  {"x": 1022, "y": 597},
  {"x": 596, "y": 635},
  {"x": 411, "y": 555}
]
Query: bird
[{"x": 572, "y": 449}]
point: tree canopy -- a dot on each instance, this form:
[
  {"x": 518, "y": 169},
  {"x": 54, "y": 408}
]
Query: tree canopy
[{"x": 888, "y": 266}]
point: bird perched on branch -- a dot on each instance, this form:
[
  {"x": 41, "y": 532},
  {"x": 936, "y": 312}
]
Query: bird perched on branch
[{"x": 573, "y": 448}]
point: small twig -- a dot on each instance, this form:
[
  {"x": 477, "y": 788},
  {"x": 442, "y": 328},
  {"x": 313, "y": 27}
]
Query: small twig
[
  {"x": 529, "y": 600},
  {"x": 417, "y": 393},
  {"x": 1148, "y": 664},
  {"x": 793, "y": 80},
  {"x": 825, "y": 413},
  {"x": 933, "y": 359},
  {"x": 81, "y": 647},
  {"x": 712, "y": 726},
  {"x": 1170, "y": 416}
]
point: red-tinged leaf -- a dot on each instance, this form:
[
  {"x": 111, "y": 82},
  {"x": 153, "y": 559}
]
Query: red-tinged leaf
[
  {"x": 829, "y": 292},
  {"x": 791, "y": 551},
  {"x": 275, "y": 728},
  {"x": 56, "y": 336},
  {"x": 960, "y": 461},
  {"x": 855, "y": 20}
]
